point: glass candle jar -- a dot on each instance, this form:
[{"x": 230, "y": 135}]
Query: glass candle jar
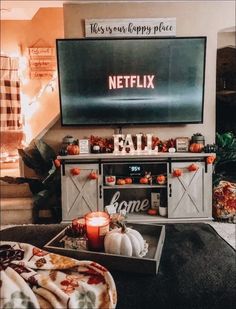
[{"x": 97, "y": 225}]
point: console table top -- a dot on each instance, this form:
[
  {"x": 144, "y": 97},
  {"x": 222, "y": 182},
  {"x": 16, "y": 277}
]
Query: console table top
[{"x": 158, "y": 155}]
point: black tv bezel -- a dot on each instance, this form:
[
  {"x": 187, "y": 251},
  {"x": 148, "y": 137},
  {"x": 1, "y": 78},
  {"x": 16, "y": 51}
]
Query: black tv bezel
[{"x": 132, "y": 123}]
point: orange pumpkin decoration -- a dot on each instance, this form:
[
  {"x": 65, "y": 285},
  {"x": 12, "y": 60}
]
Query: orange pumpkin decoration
[
  {"x": 75, "y": 171},
  {"x": 193, "y": 167},
  {"x": 110, "y": 179},
  {"x": 57, "y": 163},
  {"x": 143, "y": 180},
  {"x": 161, "y": 179},
  {"x": 128, "y": 180},
  {"x": 211, "y": 159},
  {"x": 196, "y": 147},
  {"x": 177, "y": 173},
  {"x": 120, "y": 181},
  {"x": 93, "y": 176},
  {"x": 73, "y": 149}
]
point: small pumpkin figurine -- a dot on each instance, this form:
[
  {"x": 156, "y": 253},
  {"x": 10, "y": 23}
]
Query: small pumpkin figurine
[
  {"x": 196, "y": 147},
  {"x": 125, "y": 241},
  {"x": 73, "y": 149},
  {"x": 128, "y": 180},
  {"x": 161, "y": 179},
  {"x": 143, "y": 180},
  {"x": 120, "y": 182}
]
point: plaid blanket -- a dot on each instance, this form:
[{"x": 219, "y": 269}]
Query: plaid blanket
[
  {"x": 33, "y": 278},
  {"x": 9, "y": 94}
]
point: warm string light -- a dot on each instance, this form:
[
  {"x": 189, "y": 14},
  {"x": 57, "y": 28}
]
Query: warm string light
[
  {"x": 49, "y": 87},
  {"x": 31, "y": 105}
]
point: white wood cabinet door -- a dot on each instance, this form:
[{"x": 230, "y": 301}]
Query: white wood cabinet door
[
  {"x": 190, "y": 195},
  {"x": 80, "y": 194}
]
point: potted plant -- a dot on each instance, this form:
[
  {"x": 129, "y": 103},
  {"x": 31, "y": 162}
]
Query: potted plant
[
  {"x": 225, "y": 164},
  {"x": 46, "y": 188}
]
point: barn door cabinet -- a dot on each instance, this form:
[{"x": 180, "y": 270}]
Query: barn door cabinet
[
  {"x": 80, "y": 194},
  {"x": 187, "y": 198}
]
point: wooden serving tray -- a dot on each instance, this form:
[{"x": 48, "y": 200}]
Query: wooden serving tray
[{"x": 153, "y": 234}]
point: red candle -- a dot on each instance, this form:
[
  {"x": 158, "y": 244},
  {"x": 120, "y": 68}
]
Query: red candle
[{"x": 97, "y": 225}]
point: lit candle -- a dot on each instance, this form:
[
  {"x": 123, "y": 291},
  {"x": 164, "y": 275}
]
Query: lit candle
[{"x": 97, "y": 225}]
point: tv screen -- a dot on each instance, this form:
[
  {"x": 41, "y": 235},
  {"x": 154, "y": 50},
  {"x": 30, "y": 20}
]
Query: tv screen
[{"x": 131, "y": 81}]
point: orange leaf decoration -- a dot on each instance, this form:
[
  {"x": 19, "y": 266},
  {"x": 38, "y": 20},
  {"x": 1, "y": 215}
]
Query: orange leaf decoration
[
  {"x": 39, "y": 252},
  {"x": 177, "y": 173},
  {"x": 210, "y": 159},
  {"x": 75, "y": 171},
  {"x": 193, "y": 167},
  {"x": 93, "y": 175},
  {"x": 57, "y": 163}
]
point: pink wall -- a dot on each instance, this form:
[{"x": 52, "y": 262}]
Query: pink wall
[{"x": 16, "y": 37}]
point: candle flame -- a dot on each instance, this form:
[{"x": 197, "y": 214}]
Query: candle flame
[{"x": 97, "y": 221}]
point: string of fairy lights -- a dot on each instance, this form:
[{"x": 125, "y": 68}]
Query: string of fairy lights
[{"x": 30, "y": 105}]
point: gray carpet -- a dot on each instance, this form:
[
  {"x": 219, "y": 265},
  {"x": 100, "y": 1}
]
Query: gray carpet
[{"x": 197, "y": 269}]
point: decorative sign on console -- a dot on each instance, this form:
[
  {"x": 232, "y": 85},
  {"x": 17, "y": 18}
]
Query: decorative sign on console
[
  {"x": 124, "y": 144},
  {"x": 138, "y": 27}
]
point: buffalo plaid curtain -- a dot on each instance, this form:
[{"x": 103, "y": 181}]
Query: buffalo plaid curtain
[{"x": 10, "y": 94}]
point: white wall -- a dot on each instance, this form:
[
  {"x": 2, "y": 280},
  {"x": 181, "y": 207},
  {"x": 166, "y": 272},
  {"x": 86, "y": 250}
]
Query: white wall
[{"x": 226, "y": 39}]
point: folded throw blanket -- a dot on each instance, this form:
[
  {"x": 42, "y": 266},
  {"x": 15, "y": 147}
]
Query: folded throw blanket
[{"x": 33, "y": 278}]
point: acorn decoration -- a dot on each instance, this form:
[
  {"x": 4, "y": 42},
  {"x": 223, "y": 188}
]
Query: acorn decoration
[{"x": 76, "y": 229}]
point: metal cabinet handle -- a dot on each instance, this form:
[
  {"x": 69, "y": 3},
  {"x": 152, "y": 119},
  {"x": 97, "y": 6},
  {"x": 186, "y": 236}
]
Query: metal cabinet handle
[
  {"x": 100, "y": 191},
  {"x": 170, "y": 190}
]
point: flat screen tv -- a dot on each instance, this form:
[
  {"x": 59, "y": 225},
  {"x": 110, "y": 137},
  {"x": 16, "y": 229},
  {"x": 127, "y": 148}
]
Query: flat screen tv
[{"x": 131, "y": 81}]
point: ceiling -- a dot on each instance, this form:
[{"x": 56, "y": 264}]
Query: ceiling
[{"x": 25, "y": 10}]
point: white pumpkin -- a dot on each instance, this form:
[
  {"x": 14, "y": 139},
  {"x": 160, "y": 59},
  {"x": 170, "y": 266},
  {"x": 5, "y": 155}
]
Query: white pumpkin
[{"x": 125, "y": 241}]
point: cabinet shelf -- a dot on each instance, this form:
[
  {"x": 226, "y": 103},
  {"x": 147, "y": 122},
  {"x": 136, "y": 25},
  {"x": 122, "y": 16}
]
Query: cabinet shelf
[{"x": 133, "y": 186}]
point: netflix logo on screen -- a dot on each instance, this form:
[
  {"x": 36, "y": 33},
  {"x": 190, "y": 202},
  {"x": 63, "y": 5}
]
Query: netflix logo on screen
[{"x": 131, "y": 81}]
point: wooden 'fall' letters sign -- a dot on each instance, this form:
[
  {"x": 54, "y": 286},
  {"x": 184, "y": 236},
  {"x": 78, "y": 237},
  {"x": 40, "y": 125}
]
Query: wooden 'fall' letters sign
[{"x": 123, "y": 143}]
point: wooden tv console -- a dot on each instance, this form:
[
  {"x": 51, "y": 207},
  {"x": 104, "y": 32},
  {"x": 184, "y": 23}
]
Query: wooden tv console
[{"x": 188, "y": 198}]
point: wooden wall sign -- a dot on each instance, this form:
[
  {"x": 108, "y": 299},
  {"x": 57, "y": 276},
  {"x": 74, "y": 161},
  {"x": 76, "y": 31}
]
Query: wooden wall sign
[
  {"x": 41, "y": 74},
  {"x": 130, "y": 27},
  {"x": 42, "y": 62},
  {"x": 41, "y": 51}
]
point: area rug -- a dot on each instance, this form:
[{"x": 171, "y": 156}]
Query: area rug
[{"x": 197, "y": 269}]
